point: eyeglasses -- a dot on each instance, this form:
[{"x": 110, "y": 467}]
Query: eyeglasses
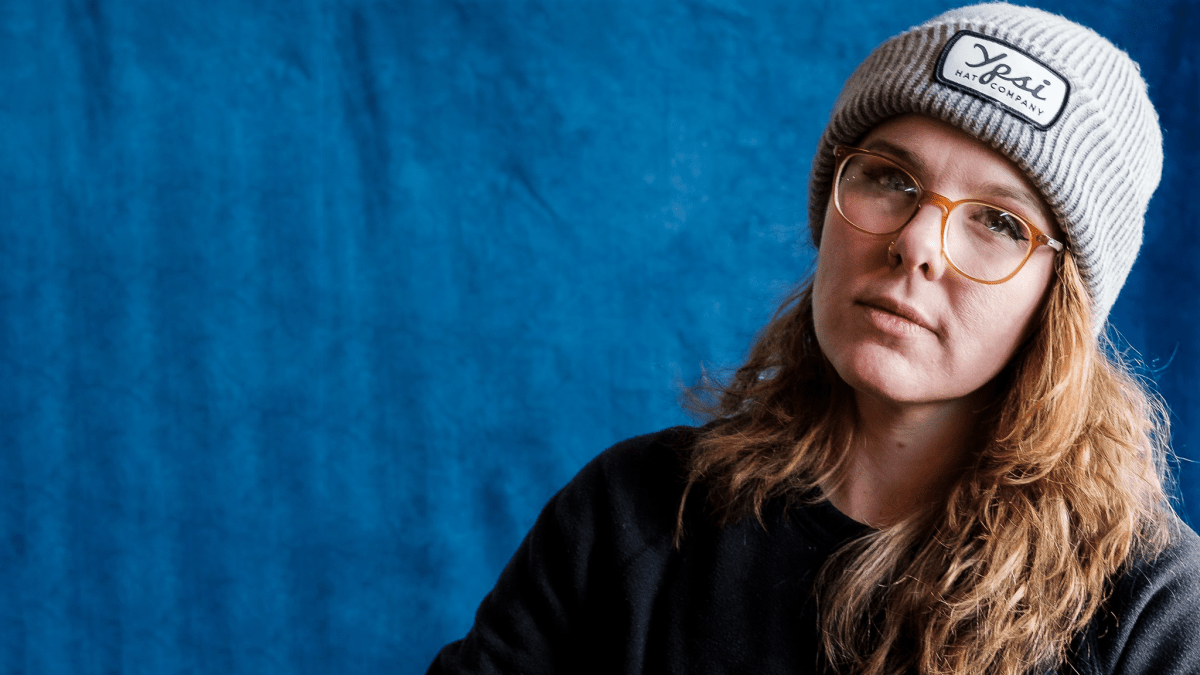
[{"x": 981, "y": 241}]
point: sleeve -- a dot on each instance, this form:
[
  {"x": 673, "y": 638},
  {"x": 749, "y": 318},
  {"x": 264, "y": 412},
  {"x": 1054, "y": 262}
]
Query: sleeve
[
  {"x": 552, "y": 609},
  {"x": 1155, "y": 624}
]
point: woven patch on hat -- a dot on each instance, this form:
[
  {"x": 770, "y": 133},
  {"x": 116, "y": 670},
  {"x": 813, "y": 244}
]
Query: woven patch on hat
[{"x": 999, "y": 72}]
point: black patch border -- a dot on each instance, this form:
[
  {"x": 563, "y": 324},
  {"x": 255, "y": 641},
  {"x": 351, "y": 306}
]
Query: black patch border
[{"x": 937, "y": 75}]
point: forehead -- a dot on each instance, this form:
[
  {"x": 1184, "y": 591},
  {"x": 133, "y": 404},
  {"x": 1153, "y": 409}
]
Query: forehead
[{"x": 950, "y": 161}]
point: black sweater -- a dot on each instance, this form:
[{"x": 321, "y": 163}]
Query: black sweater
[{"x": 597, "y": 586}]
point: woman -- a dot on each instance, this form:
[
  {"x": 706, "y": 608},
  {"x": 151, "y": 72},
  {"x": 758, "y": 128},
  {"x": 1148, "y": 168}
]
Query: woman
[{"x": 927, "y": 464}]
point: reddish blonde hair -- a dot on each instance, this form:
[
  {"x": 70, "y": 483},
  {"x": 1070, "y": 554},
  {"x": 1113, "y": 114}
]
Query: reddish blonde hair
[{"x": 1067, "y": 488}]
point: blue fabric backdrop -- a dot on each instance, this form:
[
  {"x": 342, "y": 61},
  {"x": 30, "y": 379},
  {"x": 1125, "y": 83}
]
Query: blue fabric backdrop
[{"x": 306, "y": 308}]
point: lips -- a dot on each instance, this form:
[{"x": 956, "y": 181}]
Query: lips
[{"x": 900, "y": 309}]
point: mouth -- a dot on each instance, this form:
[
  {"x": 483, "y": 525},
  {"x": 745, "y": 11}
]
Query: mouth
[{"x": 899, "y": 309}]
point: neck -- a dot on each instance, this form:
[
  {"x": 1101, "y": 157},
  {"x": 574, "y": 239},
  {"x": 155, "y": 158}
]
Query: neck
[{"x": 904, "y": 456}]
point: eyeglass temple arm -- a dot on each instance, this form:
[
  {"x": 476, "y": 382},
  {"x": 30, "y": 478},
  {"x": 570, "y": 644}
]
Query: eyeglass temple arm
[{"x": 1052, "y": 243}]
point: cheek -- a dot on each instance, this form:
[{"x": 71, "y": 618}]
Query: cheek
[
  {"x": 993, "y": 324},
  {"x": 823, "y": 283},
  {"x": 837, "y": 271},
  {"x": 845, "y": 258}
]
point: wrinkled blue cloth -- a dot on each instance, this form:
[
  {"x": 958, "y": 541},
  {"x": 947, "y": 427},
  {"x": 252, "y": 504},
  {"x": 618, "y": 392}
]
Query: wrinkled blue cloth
[{"x": 307, "y": 308}]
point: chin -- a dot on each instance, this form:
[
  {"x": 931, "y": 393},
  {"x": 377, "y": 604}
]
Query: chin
[
  {"x": 888, "y": 376},
  {"x": 888, "y": 391}
]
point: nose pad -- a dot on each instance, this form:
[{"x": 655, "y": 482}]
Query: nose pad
[{"x": 919, "y": 245}]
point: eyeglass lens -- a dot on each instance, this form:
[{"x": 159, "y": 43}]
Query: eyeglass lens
[{"x": 982, "y": 241}]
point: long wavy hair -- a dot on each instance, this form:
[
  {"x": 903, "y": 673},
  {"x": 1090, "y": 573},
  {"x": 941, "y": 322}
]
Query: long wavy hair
[{"x": 1066, "y": 489}]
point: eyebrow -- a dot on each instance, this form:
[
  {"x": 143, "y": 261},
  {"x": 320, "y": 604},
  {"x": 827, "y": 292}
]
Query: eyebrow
[
  {"x": 898, "y": 152},
  {"x": 987, "y": 190},
  {"x": 998, "y": 191}
]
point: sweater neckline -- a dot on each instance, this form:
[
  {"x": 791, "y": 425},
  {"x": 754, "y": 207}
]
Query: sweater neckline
[{"x": 825, "y": 521}]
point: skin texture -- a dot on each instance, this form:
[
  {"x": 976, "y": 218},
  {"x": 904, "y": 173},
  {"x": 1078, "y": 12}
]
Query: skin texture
[{"x": 916, "y": 341}]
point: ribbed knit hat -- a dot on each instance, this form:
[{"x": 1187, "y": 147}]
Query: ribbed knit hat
[{"x": 1063, "y": 103}]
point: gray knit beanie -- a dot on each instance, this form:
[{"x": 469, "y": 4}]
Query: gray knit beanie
[{"x": 1066, "y": 105}]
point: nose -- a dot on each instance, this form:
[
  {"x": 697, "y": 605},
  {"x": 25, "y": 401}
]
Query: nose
[{"x": 918, "y": 247}]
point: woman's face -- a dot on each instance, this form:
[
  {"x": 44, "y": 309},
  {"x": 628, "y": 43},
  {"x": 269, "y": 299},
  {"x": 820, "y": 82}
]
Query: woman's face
[{"x": 905, "y": 326}]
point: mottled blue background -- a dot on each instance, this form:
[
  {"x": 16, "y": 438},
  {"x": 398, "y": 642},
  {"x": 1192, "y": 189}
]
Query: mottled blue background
[{"x": 307, "y": 307}]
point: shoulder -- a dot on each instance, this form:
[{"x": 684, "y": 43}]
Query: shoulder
[
  {"x": 630, "y": 493},
  {"x": 1150, "y": 624},
  {"x": 1173, "y": 574},
  {"x": 653, "y": 461},
  {"x": 571, "y": 584}
]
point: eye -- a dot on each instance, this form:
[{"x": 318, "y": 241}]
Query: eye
[
  {"x": 890, "y": 179},
  {"x": 1002, "y": 223}
]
